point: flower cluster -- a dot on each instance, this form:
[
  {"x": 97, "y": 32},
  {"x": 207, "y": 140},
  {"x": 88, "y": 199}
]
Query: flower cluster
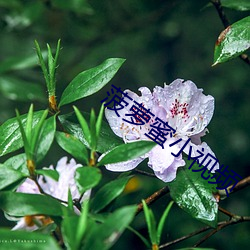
[
  {"x": 186, "y": 109},
  {"x": 58, "y": 189}
]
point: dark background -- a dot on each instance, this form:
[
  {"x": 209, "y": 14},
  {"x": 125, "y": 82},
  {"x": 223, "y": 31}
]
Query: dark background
[{"x": 161, "y": 41}]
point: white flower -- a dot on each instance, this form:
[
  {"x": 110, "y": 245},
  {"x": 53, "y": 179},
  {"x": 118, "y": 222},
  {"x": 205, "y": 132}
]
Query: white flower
[
  {"x": 184, "y": 107},
  {"x": 58, "y": 189}
]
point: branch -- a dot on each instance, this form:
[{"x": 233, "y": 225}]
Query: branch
[
  {"x": 185, "y": 237},
  {"x": 235, "y": 220},
  {"x": 152, "y": 198},
  {"x": 240, "y": 185},
  {"x": 144, "y": 173},
  {"x": 226, "y": 23}
]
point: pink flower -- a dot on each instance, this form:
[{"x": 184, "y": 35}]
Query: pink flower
[
  {"x": 184, "y": 107},
  {"x": 58, "y": 189}
]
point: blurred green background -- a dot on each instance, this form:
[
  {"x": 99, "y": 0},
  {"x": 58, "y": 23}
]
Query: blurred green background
[{"x": 162, "y": 41}]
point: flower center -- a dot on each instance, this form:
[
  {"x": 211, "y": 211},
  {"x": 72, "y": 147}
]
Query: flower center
[{"x": 179, "y": 109}]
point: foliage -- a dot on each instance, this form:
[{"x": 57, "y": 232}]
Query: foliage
[{"x": 102, "y": 211}]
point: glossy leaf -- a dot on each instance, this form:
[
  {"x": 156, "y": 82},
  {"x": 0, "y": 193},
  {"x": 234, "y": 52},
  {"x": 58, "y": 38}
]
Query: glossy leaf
[
  {"x": 127, "y": 152},
  {"x": 8, "y": 176},
  {"x": 195, "y": 195},
  {"x": 19, "y": 90},
  {"x": 73, "y": 146},
  {"x": 10, "y": 136},
  {"x": 53, "y": 174},
  {"x": 18, "y": 162},
  {"x": 46, "y": 138},
  {"x": 16, "y": 240},
  {"x": 90, "y": 81},
  {"x": 87, "y": 177},
  {"x": 108, "y": 193},
  {"x": 107, "y": 139},
  {"x": 105, "y": 235},
  {"x": 84, "y": 125},
  {"x": 233, "y": 41},
  {"x": 241, "y": 5},
  {"x": 20, "y": 204}
]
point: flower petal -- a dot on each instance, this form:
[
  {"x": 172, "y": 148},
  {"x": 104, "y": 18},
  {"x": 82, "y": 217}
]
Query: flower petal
[
  {"x": 163, "y": 162},
  {"x": 65, "y": 182},
  {"x": 189, "y": 111},
  {"x": 126, "y": 165},
  {"x": 205, "y": 149},
  {"x": 29, "y": 187}
]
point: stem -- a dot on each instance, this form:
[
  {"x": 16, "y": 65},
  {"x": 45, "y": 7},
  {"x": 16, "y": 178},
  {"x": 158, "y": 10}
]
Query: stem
[
  {"x": 224, "y": 211},
  {"x": 234, "y": 220},
  {"x": 240, "y": 185},
  {"x": 144, "y": 173},
  {"x": 152, "y": 198}
]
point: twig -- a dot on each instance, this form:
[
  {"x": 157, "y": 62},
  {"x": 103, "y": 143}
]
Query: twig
[
  {"x": 144, "y": 173},
  {"x": 204, "y": 229},
  {"x": 240, "y": 185},
  {"x": 42, "y": 192},
  {"x": 222, "y": 15},
  {"x": 224, "y": 211},
  {"x": 226, "y": 23},
  {"x": 234, "y": 220},
  {"x": 152, "y": 198}
]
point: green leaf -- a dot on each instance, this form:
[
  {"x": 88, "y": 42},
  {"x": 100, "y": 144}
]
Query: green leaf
[
  {"x": 18, "y": 162},
  {"x": 20, "y": 204},
  {"x": 105, "y": 235},
  {"x": 19, "y": 90},
  {"x": 151, "y": 223},
  {"x": 99, "y": 122},
  {"x": 87, "y": 177},
  {"x": 8, "y": 176},
  {"x": 127, "y": 152},
  {"x": 69, "y": 231},
  {"x": 195, "y": 195},
  {"x": 43, "y": 65},
  {"x": 241, "y": 5},
  {"x": 53, "y": 174},
  {"x": 162, "y": 221},
  {"x": 82, "y": 223},
  {"x": 233, "y": 41},
  {"x": 16, "y": 240},
  {"x": 90, "y": 81},
  {"x": 84, "y": 125},
  {"x": 36, "y": 135},
  {"x": 74, "y": 228},
  {"x": 107, "y": 139},
  {"x": 108, "y": 193},
  {"x": 46, "y": 137},
  {"x": 143, "y": 239},
  {"x": 10, "y": 136},
  {"x": 92, "y": 127},
  {"x": 73, "y": 146}
]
